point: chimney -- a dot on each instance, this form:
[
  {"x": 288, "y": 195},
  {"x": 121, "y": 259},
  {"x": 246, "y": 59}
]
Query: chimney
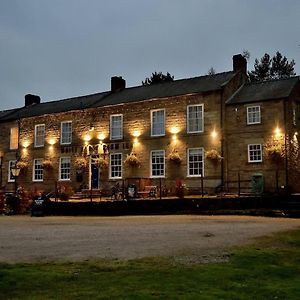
[
  {"x": 239, "y": 63},
  {"x": 117, "y": 84},
  {"x": 31, "y": 99}
]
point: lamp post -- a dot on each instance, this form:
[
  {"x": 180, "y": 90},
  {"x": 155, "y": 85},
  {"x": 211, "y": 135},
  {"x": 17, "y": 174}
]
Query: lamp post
[{"x": 15, "y": 171}]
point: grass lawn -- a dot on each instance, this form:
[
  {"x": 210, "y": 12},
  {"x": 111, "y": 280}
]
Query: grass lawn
[{"x": 268, "y": 269}]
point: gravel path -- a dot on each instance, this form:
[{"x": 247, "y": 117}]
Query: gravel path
[{"x": 186, "y": 238}]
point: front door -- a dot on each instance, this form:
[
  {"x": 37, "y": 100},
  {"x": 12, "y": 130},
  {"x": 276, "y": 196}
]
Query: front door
[{"x": 94, "y": 175}]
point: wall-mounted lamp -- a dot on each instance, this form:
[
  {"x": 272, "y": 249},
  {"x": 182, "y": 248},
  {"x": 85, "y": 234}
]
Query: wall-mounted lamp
[{"x": 213, "y": 134}]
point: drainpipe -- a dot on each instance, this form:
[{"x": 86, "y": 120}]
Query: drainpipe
[
  {"x": 222, "y": 140},
  {"x": 285, "y": 149}
]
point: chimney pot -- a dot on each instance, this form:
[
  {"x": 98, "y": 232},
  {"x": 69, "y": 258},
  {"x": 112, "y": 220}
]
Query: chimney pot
[
  {"x": 239, "y": 63},
  {"x": 32, "y": 99},
  {"x": 117, "y": 83}
]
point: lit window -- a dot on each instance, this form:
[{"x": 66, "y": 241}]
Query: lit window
[
  {"x": 253, "y": 115},
  {"x": 66, "y": 133},
  {"x": 158, "y": 163},
  {"x": 195, "y": 162},
  {"x": 254, "y": 153},
  {"x": 116, "y": 165},
  {"x": 39, "y": 135},
  {"x": 195, "y": 118},
  {"x": 14, "y": 138},
  {"x": 65, "y": 168},
  {"x": 11, "y": 164},
  {"x": 158, "y": 122},
  {"x": 37, "y": 170},
  {"x": 116, "y": 127}
]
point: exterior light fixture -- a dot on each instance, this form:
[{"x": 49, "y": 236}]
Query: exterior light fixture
[
  {"x": 174, "y": 130},
  {"x": 101, "y": 136},
  {"x": 15, "y": 171},
  {"x": 277, "y": 132},
  {"x": 214, "y": 134},
  {"x": 136, "y": 133}
]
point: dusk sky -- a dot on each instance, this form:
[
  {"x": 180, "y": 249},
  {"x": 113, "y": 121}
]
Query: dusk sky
[{"x": 63, "y": 48}]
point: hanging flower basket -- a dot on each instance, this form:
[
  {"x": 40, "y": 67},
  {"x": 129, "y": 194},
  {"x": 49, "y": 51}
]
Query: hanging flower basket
[
  {"x": 81, "y": 163},
  {"x": 174, "y": 157},
  {"x": 47, "y": 164},
  {"x": 101, "y": 163},
  {"x": 132, "y": 160},
  {"x": 213, "y": 155},
  {"x": 22, "y": 165}
]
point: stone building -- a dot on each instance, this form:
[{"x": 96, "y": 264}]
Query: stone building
[{"x": 206, "y": 131}]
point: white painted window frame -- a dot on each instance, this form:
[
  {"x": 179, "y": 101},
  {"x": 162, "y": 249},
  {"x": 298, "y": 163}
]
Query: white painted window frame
[
  {"x": 34, "y": 171},
  {"x": 61, "y": 133},
  {"x": 261, "y": 154},
  {"x": 110, "y": 165},
  {"x": 188, "y": 118},
  {"x": 59, "y": 173},
  {"x": 188, "y": 162},
  {"x": 10, "y": 164},
  {"x": 111, "y": 127},
  {"x": 164, "y": 164},
  {"x": 259, "y": 112},
  {"x": 164, "y": 123},
  {"x": 35, "y": 135}
]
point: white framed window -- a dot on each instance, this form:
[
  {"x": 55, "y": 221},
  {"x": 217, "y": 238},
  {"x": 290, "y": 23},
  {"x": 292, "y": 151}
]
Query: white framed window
[
  {"x": 10, "y": 176},
  {"x": 115, "y": 170},
  {"x": 158, "y": 122},
  {"x": 195, "y": 162},
  {"x": 66, "y": 133},
  {"x": 14, "y": 138},
  {"x": 116, "y": 127},
  {"x": 157, "y": 163},
  {"x": 39, "y": 135},
  {"x": 253, "y": 115},
  {"x": 38, "y": 172},
  {"x": 254, "y": 153},
  {"x": 65, "y": 168},
  {"x": 195, "y": 120}
]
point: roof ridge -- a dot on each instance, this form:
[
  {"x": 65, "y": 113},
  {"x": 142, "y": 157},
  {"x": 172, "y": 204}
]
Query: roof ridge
[{"x": 273, "y": 80}]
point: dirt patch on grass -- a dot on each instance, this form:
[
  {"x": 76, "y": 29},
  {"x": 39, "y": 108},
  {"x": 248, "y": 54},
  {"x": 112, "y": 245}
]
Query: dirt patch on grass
[{"x": 186, "y": 238}]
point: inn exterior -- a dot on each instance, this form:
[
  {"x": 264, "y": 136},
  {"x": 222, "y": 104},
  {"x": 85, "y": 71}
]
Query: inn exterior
[{"x": 207, "y": 132}]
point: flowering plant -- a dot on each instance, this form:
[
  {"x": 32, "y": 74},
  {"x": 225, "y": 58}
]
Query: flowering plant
[
  {"x": 213, "y": 155},
  {"x": 174, "y": 157},
  {"x": 101, "y": 163},
  {"x": 81, "y": 162},
  {"x": 21, "y": 164},
  {"x": 47, "y": 164},
  {"x": 132, "y": 160}
]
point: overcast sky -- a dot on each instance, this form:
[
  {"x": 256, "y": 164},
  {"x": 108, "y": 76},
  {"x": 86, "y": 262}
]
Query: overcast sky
[{"x": 63, "y": 48}]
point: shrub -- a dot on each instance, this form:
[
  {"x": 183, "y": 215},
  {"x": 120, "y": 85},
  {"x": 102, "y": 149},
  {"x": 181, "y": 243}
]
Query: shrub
[
  {"x": 81, "y": 162},
  {"x": 213, "y": 155}
]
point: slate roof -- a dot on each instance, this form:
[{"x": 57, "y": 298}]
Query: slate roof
[
  {"x": 262, "y": 91},
  {"x": 128, "y": 95}
]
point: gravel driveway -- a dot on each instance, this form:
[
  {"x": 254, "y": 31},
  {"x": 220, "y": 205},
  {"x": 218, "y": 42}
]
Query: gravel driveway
[{"x": 186, "y": 238}]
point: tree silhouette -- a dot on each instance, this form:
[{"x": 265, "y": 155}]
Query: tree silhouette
[
  {"x": 158, "y": 77},
  {"x": 268, "y": 68}
]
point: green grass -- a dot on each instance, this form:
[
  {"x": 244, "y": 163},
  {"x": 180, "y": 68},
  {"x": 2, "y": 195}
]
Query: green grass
[{"x": 268, "y": 269}]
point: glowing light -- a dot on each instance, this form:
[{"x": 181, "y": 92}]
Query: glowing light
[
  {"x": 101, "y": 136},
  {"x": 136, "y": 133},
  {"x": 51, "y": 147},
  {"x": 136, "y": 140},
  {"x": 52, "y": 141},
  {"x": 87, "y": 138},
  {"x": 174, "y": 130},
  {"x": 214, "y": 134},
  {"x": 296, "y": 133},
  {"x": 25, "y": 151},
  {"x": 25, "y": 144},
  {"x": 277, "y": 132}
]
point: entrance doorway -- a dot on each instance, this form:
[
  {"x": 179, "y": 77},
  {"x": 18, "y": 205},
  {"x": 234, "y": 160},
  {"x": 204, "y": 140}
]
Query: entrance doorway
[{"x": 94, "y": 172}]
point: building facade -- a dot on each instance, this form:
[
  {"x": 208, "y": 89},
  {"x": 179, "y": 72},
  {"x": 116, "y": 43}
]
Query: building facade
[{"x": 208, "y": 132}]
